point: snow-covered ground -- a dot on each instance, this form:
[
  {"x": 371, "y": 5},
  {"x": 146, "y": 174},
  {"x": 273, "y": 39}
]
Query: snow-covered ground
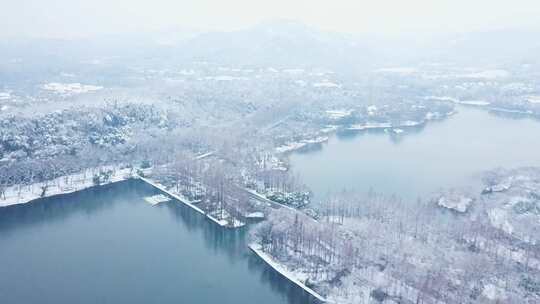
[
  {"x": 227, "y": 221},
  {"x": 494, "y": 293},
  {"x": 479, "y": 103},
  {"x": 326, "y": 84},
  {"x": 67, "y": 184},
  {"x": 337, "y": 114},
  {"x": 329, "y": 129},
  {"x": 499, "y": 219},
  {"x": 455, "y": 201},
  {"x": 156, "y": 199},
  {"x": 372, "y": 109},
  {"x": 294, "y": 277},
  {"x": 505, "y": 110},
  {"x": 226, "y": 78},
  {"x": 370, "y": 125},
  {"x": 398, "y": 70},
  {"x": 265, "y": 199},
  {"x": 70, "y": 88},
  {"x": 255, "y": 215},
  {"x": 205, "y": 155},
  {"x": 289, "y": 147},
  {"x": 404, "y": 249},
  {"x": 534, "y": 99},
  {"x": 510, "y": 202},
  {"x": 474, "y": 102},
  {"x": 293, "y": 71},
  {"x": 487, "y": 74},
  {"x": 5, "y": 95}
]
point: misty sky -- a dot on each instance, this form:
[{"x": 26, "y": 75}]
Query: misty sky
[{"x": 72, "y": 18}]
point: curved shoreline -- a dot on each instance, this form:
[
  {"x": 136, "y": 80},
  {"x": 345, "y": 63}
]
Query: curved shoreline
[{"x": 222, "y": 223}]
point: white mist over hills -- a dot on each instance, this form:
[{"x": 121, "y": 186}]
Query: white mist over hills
[
  {"x": 65, "y": 18},
  {"x": 281, "y": 43}
]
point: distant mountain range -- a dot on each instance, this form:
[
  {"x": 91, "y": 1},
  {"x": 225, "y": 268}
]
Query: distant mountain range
[
  {"x": 277, "y": 44},
  {"x": 280, "y": 44}
]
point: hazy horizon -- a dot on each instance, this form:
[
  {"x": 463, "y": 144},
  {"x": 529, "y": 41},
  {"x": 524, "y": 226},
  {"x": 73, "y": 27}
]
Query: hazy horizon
[{"x": 65, "y": 19}]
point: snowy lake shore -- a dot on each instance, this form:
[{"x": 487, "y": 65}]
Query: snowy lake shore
[
  {"x": 289, "y": 275},
  {"x": 179, "y": 197},
  {"x": 77, "y": 182},
  {"x": 23, "y": 194}
]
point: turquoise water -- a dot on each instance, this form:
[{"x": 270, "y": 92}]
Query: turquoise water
[
  {"x": 107, "y": 245},
  {"x": 448, "y": 153}
]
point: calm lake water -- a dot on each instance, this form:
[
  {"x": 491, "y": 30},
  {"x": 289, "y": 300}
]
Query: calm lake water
[
  {"x": 448, "y": 153},
  {"x": 107, "y": 245}
]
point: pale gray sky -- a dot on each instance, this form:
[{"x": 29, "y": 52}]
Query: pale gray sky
[{"x": 69, "y": 18}]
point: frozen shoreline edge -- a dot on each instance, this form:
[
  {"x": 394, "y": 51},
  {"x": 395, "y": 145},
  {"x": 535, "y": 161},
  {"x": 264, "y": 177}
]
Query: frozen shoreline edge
[
  {"x": 116, "y": 179},
  {"x": 277, "y": 267},
  {"x": 267, "y": 259},
  {"x": 183, "y": 201},
  {"x": 121, "y": 176}
]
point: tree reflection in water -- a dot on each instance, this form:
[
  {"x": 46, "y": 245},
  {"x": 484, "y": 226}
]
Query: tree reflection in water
[{"x": 230, "y": 243}]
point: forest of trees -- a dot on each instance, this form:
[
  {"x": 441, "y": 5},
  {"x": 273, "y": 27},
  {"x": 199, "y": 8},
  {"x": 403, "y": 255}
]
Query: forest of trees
[
  {"x": 408, "y": 252},
  {"x": 402, "y": 251}
]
